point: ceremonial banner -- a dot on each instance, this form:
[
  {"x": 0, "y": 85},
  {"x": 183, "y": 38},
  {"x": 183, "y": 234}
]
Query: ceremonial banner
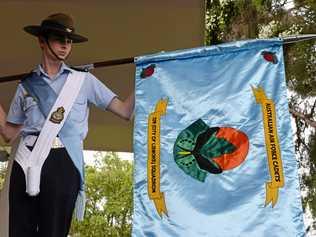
[{"x": 213, "y": 145}]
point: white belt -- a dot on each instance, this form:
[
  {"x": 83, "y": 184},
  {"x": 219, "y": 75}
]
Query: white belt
[{"x": 30, "y": 140}]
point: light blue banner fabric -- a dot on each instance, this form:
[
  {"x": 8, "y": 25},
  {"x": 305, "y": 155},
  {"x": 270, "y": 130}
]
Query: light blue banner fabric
[{"x": 213, "y": 145}]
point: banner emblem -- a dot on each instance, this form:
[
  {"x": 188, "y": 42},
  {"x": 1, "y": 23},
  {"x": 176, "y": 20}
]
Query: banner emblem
[{"x": 200, "y": 149}]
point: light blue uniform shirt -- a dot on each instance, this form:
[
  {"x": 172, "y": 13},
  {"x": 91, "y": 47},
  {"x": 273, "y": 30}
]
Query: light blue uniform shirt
[{"x": 24, "y": 109}]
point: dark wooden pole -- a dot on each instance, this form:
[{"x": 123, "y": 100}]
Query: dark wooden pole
[{"x": 87, "y": 67}]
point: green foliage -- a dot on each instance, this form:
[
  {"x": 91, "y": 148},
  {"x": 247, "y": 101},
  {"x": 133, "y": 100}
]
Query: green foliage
[
  {"x": 219, "y": 17},
  {"x": 2, "y": 174},
  {"x": 3, "y": 166},
  {"x": 109, "y": 198},
  {"x": 310, "y": 178},
  {"x": 301, "y": 71}
]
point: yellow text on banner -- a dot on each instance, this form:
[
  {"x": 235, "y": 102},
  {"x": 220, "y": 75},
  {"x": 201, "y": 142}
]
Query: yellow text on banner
[
  {"x": 153, "y": 162},
  {"x": 272, "y": 146}
]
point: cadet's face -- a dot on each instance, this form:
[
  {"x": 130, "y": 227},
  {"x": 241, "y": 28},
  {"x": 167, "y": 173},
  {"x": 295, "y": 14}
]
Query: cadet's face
[{"x": 61, "y": 45}]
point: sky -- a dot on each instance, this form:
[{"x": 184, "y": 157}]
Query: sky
[{"x": 89, "y": 156}]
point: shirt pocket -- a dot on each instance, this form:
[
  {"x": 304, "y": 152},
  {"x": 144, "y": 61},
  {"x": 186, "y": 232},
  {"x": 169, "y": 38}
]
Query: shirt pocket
[
  {"x": 29, "y": 103},
  {"x": 78, "y": 111}
]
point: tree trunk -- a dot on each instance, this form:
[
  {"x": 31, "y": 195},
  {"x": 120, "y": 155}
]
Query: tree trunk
[{"x": 303, "y": 117}]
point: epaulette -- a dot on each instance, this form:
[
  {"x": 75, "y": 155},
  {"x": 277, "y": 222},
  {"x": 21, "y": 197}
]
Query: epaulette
[
  {"x": 80, "y": 69},
  {"x": 26, "y": 76},
  {"x": 25, "y": 93}
]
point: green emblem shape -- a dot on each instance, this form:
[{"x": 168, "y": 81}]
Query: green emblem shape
[{"x": 197, "y": 146}]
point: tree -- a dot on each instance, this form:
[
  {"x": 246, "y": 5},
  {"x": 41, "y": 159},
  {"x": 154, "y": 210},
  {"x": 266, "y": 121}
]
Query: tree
[
  {"x": 109, "y": 198},
  {"x": 3, "y": 164},
  {"x": 230, "y": 20},
  {"x": 2, "y": 174}
]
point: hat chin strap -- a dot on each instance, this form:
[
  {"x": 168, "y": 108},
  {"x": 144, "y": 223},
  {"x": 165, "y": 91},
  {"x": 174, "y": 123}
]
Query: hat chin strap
[{"x": 52, "y": 51}]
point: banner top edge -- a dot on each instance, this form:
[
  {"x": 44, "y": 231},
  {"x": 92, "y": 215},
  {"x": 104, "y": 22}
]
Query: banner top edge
[{"x": 207, "y": 50}]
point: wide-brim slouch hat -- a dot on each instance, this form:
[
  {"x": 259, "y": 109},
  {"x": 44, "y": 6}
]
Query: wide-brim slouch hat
[{"x": 59, "y": 24}]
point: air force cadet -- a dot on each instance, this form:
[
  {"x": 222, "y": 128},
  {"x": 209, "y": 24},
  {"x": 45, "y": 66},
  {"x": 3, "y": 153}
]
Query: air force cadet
[{"x": 49, "y": 115}]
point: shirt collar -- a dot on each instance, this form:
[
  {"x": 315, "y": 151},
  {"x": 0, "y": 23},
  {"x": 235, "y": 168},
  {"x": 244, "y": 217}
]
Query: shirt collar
[{"x": 63, "y": 68}]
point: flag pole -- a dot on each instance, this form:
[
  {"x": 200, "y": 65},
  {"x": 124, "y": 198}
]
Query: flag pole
[
  {"x": 85, "y": 67},
  {"x": 88, "y": 67},
  {"x": 298, "y": 38}
]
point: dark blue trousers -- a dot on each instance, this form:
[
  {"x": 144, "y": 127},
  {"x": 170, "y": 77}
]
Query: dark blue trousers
[{"x": 49, "y": 214}]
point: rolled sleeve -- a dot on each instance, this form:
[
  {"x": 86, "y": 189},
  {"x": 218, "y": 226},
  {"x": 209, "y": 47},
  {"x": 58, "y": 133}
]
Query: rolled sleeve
[
  {"x": 97, "y": 93},
  {"x": 16, "y": 114}
]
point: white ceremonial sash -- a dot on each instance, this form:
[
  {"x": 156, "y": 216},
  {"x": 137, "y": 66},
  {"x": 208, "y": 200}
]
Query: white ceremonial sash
[{"x": 32, "y": 161}]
